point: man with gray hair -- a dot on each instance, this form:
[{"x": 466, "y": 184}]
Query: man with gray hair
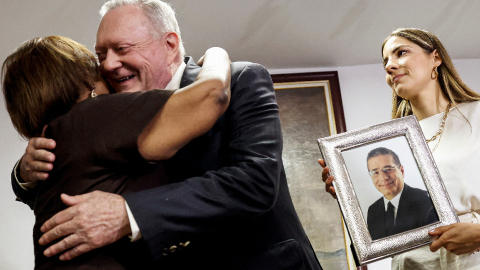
[{"x": 227, "y": 205}]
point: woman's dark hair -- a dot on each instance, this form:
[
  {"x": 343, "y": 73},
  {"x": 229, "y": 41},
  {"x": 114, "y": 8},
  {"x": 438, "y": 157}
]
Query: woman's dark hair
[{"x": 42, "y": 80}]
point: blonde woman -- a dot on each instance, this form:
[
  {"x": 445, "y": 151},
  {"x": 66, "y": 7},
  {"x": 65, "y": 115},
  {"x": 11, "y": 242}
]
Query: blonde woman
[{"x": 425, "y": 83}]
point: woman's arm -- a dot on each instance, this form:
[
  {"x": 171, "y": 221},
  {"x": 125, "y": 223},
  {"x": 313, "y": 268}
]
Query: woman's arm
[{"x": 190, "y": 111}]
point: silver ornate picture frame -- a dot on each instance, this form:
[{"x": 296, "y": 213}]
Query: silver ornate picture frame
[{"x": 345, "y": 155}]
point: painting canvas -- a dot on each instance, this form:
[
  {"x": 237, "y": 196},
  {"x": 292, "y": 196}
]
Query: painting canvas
[{"x": 311, "y": 107}]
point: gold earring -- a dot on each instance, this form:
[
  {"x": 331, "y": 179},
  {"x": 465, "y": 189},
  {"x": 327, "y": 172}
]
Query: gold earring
[{"x": 434, "y": 74}]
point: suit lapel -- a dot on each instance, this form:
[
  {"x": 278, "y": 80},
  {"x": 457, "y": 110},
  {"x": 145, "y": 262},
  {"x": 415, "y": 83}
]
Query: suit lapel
[
  {"x": 201, "y": 154},
  {"x": 190, "y": 73},
  {"x": 403, "y": 210},
  {"x": 174, "y": 166},
  {"x": 378, "y": 228},
  {"x": 383, "y": 227}
]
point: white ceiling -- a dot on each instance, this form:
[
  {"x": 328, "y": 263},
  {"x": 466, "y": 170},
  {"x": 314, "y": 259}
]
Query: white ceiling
[{"x": 280, "y": 34}]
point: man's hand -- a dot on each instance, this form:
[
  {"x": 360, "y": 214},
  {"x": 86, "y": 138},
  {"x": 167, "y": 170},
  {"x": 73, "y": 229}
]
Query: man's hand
[
  {"x": 458, "y": 238},
  {"x": 93, "y": 220},
  {"x": 37, "y": 161},
  {"x": 327, "y": 178}
]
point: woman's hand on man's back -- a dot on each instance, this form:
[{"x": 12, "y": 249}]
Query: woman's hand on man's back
[{"x": 37, "y": 160}]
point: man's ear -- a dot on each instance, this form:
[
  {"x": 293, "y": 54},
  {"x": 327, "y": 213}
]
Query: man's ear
[
  {"x": 173, "y": 47},
  {"x": 401, "y": 169}
]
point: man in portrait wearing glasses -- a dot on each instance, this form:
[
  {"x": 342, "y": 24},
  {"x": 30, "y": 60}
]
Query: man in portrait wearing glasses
[{"x": 401, "y": 208}]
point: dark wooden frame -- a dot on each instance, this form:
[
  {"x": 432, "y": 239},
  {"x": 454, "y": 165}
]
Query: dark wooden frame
[
  {"x": 336, "y": 97},
  {"x": 332, "y": 78}
]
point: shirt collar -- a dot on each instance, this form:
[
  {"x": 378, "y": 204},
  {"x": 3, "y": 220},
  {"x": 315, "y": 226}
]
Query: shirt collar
[
  {"x": 174, "y": 84},
  {"x": 395, "y": 201}
]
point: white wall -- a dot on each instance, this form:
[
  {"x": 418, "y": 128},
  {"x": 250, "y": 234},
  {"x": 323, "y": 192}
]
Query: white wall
[
  {"x": 16, "y": 219},
  {"x": 367, "y": 97}
]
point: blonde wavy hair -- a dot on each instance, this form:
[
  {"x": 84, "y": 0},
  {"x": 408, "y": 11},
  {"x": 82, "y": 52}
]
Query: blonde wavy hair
[{"x": 450, "y": 82}]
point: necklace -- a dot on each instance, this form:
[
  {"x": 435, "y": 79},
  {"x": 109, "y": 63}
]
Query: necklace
[{"x": 442, "y": 124}]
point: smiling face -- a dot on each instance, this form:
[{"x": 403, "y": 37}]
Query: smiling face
[
  {"x": 389, "y": 182},
  {"x": 409, "y": 67},
  {"x": 131, "y": 59}
]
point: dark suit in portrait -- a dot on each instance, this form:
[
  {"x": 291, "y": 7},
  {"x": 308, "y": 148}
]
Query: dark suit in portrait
[{"x": 415, "y": 209}]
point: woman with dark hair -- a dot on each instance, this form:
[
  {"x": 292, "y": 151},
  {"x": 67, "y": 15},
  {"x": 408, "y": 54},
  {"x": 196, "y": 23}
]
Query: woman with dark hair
[
  {"x": 425, "y": 83},
  {"x": 105, "y": 142}
]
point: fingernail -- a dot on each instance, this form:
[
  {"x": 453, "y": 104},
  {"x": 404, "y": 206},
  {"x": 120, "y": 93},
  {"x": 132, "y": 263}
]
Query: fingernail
[
  {"x": 62, "y": 258},
  {"x": 47, "y": 253},
  {"x": 41, "y": 241},
  {"x": 432, "y": 230}
]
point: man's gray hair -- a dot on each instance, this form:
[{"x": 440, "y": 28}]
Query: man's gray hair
[{"x": 160, "y": 14}]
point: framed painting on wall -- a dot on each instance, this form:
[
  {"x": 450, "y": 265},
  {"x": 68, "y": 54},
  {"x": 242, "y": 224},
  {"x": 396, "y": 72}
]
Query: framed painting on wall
[{"x": 310, "y": 106}]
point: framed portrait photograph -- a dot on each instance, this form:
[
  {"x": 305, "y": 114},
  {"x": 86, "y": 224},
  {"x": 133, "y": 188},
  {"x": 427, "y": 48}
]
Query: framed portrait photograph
[{"x": 388, "y": 187}]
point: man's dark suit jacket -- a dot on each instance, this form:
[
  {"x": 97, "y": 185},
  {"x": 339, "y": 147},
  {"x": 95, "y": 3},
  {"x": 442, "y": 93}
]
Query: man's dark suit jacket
[
  {"x": 229, "y": 206},
  {"x": 415, "y": 209}
]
